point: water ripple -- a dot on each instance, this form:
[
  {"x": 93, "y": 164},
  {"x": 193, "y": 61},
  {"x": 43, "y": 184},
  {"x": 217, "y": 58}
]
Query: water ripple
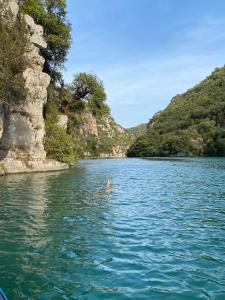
[{"x": 160, "y": 233}]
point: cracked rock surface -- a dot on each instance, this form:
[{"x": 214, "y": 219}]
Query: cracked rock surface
[{"x": 22, "y": 127}]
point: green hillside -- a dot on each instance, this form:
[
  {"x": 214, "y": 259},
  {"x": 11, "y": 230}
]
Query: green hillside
[
  {"x": 138, "y": 130},
  {"x": 192, "y": 124}
]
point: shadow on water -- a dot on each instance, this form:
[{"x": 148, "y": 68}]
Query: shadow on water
[{"x": 46, "y": 222}]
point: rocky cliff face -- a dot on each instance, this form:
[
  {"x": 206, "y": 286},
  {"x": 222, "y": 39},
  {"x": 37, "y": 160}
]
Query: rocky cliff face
[
  {"x": 103, "y": 136},
  {"x": 23, "y": 130}
]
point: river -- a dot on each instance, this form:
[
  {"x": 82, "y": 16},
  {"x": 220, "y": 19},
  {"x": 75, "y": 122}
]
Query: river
[{"x": 159, "y": 234}]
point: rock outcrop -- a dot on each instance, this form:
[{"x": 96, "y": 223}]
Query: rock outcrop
[
  {"x": 63, "y": 121},
  {"x": 109, "y": 139},
  {"x": 23, "y": 129},
  {"x": 88, "y": 124}
]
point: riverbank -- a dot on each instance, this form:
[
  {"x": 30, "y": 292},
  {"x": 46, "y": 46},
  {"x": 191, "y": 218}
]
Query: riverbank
[{"x": 14, "y": 166}]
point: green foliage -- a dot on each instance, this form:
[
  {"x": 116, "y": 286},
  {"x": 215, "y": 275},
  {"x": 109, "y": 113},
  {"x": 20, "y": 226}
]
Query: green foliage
[
  {"x": 146, "y": 145},
  {"x": 113, "y": 138},
  {"x": 90, "y": 104},
  {"x": 88, "y": 92},
  {"x": 51, "y": 14},
  {"x": 59, "y": 144},
  {"x": 138, "y": 131},
  {"x": 34, "y": 8},
  {"x": 215, "y": 143},
  {"x": 60, "y": 95},
  {"x": 51, "y": 112},
  {"x": 192, "y": 124},
  {"x": 13, "y": 36},
  {"x": 177, "y": 145},
  {"x": 92, "y": 146}
]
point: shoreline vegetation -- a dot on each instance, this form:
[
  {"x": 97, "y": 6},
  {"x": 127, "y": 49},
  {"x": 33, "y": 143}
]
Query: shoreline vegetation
[{"x": 193, "y": 124}]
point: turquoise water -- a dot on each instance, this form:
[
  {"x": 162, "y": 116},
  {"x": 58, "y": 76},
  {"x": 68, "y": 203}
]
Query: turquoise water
[{"x": 160, "y": 233}]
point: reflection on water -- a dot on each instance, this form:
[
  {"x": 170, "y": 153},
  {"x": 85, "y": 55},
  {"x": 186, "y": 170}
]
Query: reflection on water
[
  {"x": 38, "y": 226},
  {"x": 159, "y": 234}
]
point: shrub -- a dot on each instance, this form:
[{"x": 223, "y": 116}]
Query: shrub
[
  {"x": 59, "y": 144},
  {"x": 13, "y": 37}
]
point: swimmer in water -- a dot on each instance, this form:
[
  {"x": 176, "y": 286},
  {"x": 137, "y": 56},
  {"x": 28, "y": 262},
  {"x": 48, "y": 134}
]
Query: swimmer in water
[{"x": 108, "y": 186}]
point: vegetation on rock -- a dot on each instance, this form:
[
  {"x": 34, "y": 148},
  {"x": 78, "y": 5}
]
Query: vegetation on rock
[
  {"x": 58, "y": 143},
  {"x": 192, "y": 124},
  {"x": 13, "y": 36},
  {"x": 91, "y": 129},
  {"x": 88, "y": 93},
  {"x": 51, "y": 15},
  {"x": 138, "y": 130}
]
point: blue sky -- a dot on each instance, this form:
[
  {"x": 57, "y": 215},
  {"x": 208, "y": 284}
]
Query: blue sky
[{"x": 145, "y": 51}]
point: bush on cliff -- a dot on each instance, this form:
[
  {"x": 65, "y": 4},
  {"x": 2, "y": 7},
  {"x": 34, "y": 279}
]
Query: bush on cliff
[
  {"x": 59, "y": 144},
  {"x": 51, "y": 14},
  {"x": 13, "y": 37}
]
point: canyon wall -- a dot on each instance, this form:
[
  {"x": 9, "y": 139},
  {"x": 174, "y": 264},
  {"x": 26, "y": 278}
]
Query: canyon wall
[
  {"x": 109, "y": 138},
  {"x": 22, "y": 126}
]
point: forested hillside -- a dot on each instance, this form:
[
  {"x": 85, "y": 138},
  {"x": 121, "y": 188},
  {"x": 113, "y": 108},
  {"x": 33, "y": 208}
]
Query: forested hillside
[
  {"x": 138, "y": 130},
  {"x": 192, "y": 124}
]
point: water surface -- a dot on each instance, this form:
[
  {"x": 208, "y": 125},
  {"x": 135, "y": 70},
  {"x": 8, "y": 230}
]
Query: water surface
[{"x": 160, "y": 233}]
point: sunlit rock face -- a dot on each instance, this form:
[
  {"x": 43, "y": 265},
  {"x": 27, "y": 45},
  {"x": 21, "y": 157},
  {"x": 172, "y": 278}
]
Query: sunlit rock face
[
  {"x": 104, "y": 129},
  {"x": 63, "y": 121},
  {"x": 88, "y": 124},
  {"x": 10, "y": 6},
  {"x": 23, "y": 127}
]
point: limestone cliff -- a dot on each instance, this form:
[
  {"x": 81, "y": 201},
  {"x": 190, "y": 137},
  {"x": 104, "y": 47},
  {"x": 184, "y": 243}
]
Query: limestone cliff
[
  {"x": 100, "y": 136},
  {"x": 23, "y": 129}
]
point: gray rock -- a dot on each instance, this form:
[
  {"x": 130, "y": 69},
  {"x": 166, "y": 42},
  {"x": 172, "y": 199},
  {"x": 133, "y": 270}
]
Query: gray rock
[
  {"x": 22, "y": 141},
  {"x": 11, "y": 8},
  {"x": 36, "y": 32},
  {"x": 62, "y": 121}
]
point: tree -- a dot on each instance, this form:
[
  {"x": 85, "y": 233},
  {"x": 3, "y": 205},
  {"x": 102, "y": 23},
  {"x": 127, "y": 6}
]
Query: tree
[
  {"x": 34, "y": 8},
  {"x": 88, "y": 91},
  {"x": 51, "y": 14},
  {"x": 192, "y": 124},
  {"x": 13, "y": 62}
]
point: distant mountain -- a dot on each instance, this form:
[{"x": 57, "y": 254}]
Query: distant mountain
[
  {"x": 193, "y": 124},
  {"x": 138, "y": 130}
]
